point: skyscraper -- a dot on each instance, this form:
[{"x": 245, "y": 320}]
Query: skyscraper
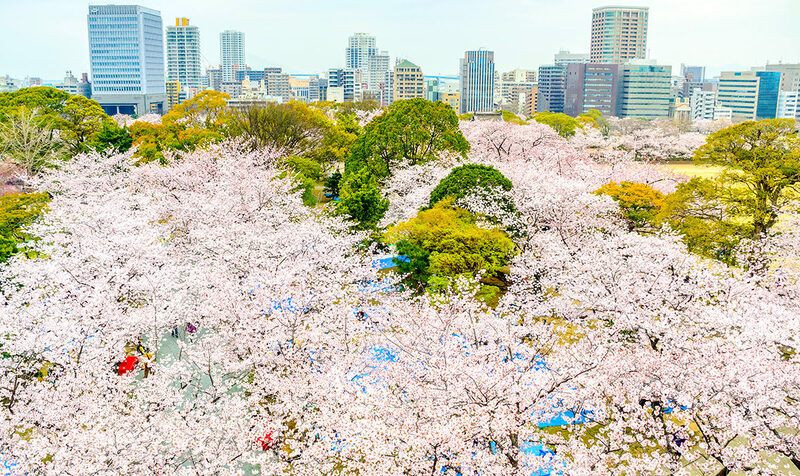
[
  {"x": 552, "y": 86},
  {"x": 619, "y": 34},
  {"x": 360, "y": 47},
  {"x": 126, "y": 56},
  {"x": 231, "y": 53},
  {"x": 790, "y": 75},
  {"x": 183, "y": 54},
  {"x": 408, "y": 81},
  {"x": 477, "y": 81},
  {"x": 645, "y": 91}
]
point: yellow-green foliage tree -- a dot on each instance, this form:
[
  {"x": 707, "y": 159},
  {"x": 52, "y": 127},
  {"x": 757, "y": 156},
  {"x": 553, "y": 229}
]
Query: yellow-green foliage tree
[
  {"x": 201, "y": 120},
  {"x": 695, "y": 210},
  {"x": 762, "y": 166},
  {"x": 443, "y": 243},
  {"x": 639, "y": 203},
  {"x": 563, "y": 124},
  {"x": 17, "y": 210}
]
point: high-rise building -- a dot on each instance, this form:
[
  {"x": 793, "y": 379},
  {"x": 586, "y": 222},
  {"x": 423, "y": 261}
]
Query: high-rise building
[
  {"x": 552, "y": 87},
  {"x": 619, "y": 34},
  {"x": 592, "y": 86},
  {"x": 738, "y": 90},
  {"x": 408, "y": 81},
  {"x": 564, "y": 57},
  {"x": 377, "y": 66},
  {"x": 183, "y": 54},
  {"x": 360, "y": 47},
  {"x": 477, "y": 81},
  {"x": 173, "y": 92},
  {"x": 693, "y": 77},
  {"x": 645, "y": 90},
  {"x": 126, "y": 55},
  {"x": 213, "y": 78},
  {"x": 231, "y": 53},
  {"x": 769, "y": 85},
  {"x": 790, "y": 80}
]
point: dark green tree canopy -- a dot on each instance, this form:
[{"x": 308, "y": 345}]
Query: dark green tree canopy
[
  {"x": 414, "y": 129},
  {"x": 465, "y": 179}
]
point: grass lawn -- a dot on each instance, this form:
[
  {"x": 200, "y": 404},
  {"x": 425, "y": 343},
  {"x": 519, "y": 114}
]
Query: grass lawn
[{"x": 693, "y": 170}]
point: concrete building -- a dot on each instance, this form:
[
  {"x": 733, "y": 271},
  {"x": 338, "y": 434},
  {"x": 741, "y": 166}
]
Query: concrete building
[
  {"x": 738, "y": 90},
  {"x": 769, "y": 85},
  {"x": 789, "y": 105},
  {"x": 407, "y": 81},
  {"x": 126, "y": 56},
  {"x": 564, "y": 57},
  {"x": 619, "y": 34},
  {"x": 552, "y": 88},
  {"x": 173, "y": 92},
  {"x": 645, "y": 90},
  {"x": 512, "y": 90},
  {"x": 477, "y": 81},
  {"x": 592, "y": 86},
  {"x": 213, "y": 78},
  {"x": 377, "y": 66},
  {"x": 277, "y": 85},
  {"x": 73, "y": 85},
  {"x": 349, "y": 80},
  {"x": 231, "y": 54},
  {"x": 790, "y": 75},
  {"x": 702, "y": 104},
  {"x": 183, "y": 57},
  {"x": 693, "y": 77}
]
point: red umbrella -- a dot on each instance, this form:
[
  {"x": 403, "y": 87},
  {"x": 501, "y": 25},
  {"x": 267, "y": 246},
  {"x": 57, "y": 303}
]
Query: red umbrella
[{"x": 127, "y": 365}]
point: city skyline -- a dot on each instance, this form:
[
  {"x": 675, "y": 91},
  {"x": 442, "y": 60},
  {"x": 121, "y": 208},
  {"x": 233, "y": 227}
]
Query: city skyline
[{"x": 691, "y": 35}]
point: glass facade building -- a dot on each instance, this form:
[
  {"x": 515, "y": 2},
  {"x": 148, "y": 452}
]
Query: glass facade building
[
  {"x": 646, "y": 91},
  {"x": 552, "y": 88},
  {"x": 477, "y": 81},
  {"x": 768, "y": 88},
  {"x": 126, "y": 56},
  {"x": 619, "y": 34}
]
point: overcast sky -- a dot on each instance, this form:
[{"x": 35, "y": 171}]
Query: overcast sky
[{"x": 47, "y": 37}]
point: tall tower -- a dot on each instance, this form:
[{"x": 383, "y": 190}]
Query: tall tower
[
  {"x": 360, "y": 47},
  {"x": 126, "y": 56},
  {"x": 183, "y": 54},
  {"x": 619, "y": 34},
  {"x": 231, "y": 54},
  {"x": 477, "y": 81}
]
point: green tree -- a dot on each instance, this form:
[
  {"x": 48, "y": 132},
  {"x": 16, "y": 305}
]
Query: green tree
[
  {"x": 463, "y": 180},
  {"x": 443, "y": 243},
  {"x": 294, "y": 127},
  {"x": 707, "y": 223},
  {"x": 416, "y": 130},
  {"x": 83, "y": 119},
  {"x": 563, "y": 124},
  {"x": 48, "y": 101},
  {"x": 112, "y": 136},
  {"x": 27, "y": 139},
  {"x": 332, "y": 184},
  {"x": 762, "y": 163},
  {"x": 361, "y": 200},
  {"x": 18, "y": 210}
]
